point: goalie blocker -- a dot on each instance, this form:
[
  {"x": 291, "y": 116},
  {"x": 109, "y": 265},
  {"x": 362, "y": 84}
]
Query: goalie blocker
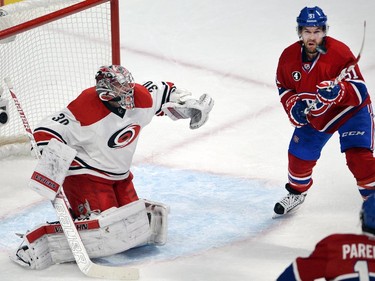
[{"x": 113, "y": 231}]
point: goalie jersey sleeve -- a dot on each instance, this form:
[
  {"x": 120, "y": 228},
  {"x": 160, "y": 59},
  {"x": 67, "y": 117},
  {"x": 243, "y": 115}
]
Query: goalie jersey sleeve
[
  {"x": 105, "y": 141},
  {"x": 337, "y": 257}
]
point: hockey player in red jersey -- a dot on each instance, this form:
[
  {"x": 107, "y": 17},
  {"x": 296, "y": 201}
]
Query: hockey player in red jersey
[
  {"x": 322, "y": 91},
  {"x": 340, "y": 256},
  {"x": 103, "y": 125}
]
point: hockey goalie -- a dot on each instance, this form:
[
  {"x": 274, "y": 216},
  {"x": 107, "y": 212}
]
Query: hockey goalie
[{"x": 87, "y": 150}]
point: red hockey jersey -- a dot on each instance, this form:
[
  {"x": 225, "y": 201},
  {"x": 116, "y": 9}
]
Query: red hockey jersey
[
  {"x": 295, "y": 77},
  {"x": 336, "y": 257}
]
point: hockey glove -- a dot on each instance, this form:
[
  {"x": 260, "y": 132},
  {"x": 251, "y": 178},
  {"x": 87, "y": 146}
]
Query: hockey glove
[
  {"x": 197, "y": 110},
  {"x": 296, "y": 111},
  {"x": 329, "y": 92}
]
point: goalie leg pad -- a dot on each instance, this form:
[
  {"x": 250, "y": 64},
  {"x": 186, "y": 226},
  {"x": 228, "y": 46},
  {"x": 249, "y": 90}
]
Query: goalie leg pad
[
  {"x": 111, "y": 232},
  {"x": 158, "y": 217},
  {"x": 33, "y": 255}
]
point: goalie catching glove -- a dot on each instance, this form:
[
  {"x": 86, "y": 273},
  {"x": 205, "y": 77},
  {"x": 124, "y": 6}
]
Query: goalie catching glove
[{"x": 181, "y": 106}]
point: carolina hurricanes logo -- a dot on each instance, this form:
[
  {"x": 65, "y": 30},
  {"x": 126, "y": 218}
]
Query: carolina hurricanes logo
[
  {"x": 106, "y": 96},
  {"x": 124, "y": 137}
]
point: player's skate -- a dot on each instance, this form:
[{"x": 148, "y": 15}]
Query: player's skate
[{"x": 289, "y": 203}]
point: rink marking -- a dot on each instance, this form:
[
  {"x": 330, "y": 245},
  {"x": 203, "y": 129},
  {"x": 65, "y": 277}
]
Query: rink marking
[
  {"x": 225, "y": 74},
  {"x": 208, "y": 133},
  {"x": 207, "y": 211}
]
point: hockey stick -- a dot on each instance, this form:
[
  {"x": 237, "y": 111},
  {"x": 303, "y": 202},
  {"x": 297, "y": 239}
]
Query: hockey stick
[
  {"x": 60, "y": 204},
  {"x": 22, "y": 116},
  {"x": 345, "y": 71}
]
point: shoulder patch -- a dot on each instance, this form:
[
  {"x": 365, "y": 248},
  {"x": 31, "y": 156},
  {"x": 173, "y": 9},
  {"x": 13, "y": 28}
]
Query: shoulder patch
[
  {"x": 87, "y": 108},
  {"x": 296, "y": 75},
  {"x": 142, "y": 97}
]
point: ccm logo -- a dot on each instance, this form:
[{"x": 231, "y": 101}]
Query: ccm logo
[{"x": 353, "y": 133}]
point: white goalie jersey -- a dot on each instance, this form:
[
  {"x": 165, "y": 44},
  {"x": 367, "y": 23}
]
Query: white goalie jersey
[{"x": 106, "y": 138}]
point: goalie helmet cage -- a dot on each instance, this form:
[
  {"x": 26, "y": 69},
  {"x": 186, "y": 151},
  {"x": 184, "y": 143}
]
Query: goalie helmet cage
[{"x": 51, "y": 50}]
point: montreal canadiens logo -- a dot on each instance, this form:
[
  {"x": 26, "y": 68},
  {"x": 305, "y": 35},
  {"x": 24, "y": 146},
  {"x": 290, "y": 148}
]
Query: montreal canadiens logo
[
  {"x": 296, "y": 75},
  {"x": 124, "y": 137}
]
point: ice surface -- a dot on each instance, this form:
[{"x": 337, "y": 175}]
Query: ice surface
[{"x": 222, "y": 180}]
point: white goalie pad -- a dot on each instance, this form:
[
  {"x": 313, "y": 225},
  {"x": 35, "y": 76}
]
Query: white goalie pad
[
  {"x": 197, "y": 110},
  {"x": 50, "y": 172},
  {"x": 113, "y": 231},
  {"x": 158, "y": 217}
]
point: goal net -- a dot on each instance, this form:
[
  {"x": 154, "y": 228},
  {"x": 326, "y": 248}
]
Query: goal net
[{"x": 51, "y": 50}]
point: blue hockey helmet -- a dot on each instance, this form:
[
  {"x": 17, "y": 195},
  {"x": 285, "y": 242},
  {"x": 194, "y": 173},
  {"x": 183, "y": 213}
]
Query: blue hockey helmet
[
  {"x": 368, "y": 214},
  {"x": 312, "y": 16}
]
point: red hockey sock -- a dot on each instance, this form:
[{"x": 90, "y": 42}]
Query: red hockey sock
[
  {"x": 300, "y": 172},
  {"x": 361, "y": 163}
]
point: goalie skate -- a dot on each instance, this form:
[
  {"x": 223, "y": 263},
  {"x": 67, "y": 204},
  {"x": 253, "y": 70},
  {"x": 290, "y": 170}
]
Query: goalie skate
[{"x": 289, "y": 203}]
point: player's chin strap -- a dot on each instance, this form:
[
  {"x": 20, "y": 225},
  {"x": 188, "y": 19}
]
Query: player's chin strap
[{"x": 182, "y": 106}]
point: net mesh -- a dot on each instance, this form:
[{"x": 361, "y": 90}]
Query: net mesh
[{"x": 51, "y": 64}]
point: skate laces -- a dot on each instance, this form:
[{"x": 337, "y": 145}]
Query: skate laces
[
  {"x": 292, "y": 200},
  {"x": 289, "y": 203}
]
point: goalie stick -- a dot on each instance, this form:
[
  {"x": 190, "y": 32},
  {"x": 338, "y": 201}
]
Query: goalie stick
[
  {"x": 60, "y": 205},
  {"x": 345, "y": 71},
  {"x": 22, "y": 116}
]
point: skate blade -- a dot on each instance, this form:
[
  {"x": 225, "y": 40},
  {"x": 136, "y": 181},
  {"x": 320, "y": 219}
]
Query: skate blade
[{"x": 290, "y": 212}]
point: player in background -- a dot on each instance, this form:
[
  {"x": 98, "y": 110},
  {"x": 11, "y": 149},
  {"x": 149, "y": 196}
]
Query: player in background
[
  {"x": 4, "y": 105},
  {"x": 103, "y": 125},
  {"x": 317, "y": 107},
  {"x": 340, "y": 256}
]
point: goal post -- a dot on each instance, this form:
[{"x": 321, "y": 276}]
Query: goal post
[{"x": 51, "y": 50}]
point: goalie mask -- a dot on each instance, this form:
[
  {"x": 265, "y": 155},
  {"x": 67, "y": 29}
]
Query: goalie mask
[{"x": 115, "y": 83}]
